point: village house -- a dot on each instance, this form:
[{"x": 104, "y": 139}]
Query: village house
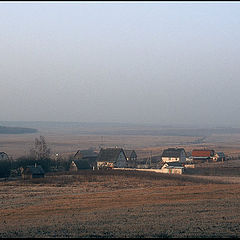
[
  {"x": 174, "y": 155},
  {"x": 30, "y": 172},
  {"x": 131, "y": 158},
  {"x": 111, "y": 158},
  {"x": 3, "y": 156},
  {"x": 202, "y": 155},
  {"x": 172, "y": 168}
]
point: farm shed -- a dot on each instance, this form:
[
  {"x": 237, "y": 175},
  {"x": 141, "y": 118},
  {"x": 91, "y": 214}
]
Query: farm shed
[
  {"x": 30, "y": 172},
  {"x": 3, "y": 156},
  {"x": 174, "y": 155},
  {"x": 131, "y": 158},
  {"x": 172, "y": 168},
  {"x": 111, "y": 157},
  {"x": 202, "y": 155}
]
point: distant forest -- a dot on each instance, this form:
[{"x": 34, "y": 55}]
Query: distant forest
[{"x": 16, "y": 130}]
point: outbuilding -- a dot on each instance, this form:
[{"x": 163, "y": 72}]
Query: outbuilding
[{"x": 30, "y": 172}]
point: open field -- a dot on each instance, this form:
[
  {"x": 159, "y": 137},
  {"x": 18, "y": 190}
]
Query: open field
[
  {"x": 204, "y": 202},
  {"x": 119, "y": 204},
  {"x": 67, "y": 138}
]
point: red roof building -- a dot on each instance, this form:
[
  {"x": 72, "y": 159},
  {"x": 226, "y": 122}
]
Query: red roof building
[{"x": 202, "y": 153}]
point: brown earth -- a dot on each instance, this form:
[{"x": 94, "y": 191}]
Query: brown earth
[{"x": 119, "y": 204}]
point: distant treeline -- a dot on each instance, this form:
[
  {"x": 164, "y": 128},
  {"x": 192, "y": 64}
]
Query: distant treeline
[{"x": 16, "y": 130}]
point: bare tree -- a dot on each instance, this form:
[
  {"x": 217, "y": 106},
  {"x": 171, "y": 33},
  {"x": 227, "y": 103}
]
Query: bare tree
[{"x": 40, "y": 149}]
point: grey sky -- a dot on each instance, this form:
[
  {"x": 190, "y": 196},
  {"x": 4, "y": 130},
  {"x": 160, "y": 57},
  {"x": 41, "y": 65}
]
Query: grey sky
[{"x": 143, "y": 62}]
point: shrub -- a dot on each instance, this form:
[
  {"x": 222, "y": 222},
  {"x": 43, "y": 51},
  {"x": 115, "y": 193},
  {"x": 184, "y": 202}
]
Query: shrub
[{"x": 5, "y": 168}]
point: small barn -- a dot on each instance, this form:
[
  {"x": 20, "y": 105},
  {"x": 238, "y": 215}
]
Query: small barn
[
  {"x": 30, "y": 172},
  {"x": 131, "y": 158},
  {"x": 111, "y": 158},
  {"x": 174, "y": 155},
  {"x": 172, "y": 168}
]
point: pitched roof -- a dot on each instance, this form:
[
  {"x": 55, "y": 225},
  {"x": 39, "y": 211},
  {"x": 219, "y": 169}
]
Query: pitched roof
[
  {"x": 109, "y": 154},
  {"x": 129, "y": 153},
  {"x": 85, "y": 153},
  {"x": 170, "y": 165},
  {"x": 202, "y": 153},
  {"x": 174, "y": 164},
  {"x": 172, "y": 152},
  {"x": 34, "y": 169}
]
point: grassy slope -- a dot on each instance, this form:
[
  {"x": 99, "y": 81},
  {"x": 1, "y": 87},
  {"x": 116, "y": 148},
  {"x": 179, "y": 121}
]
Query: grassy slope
[{"x": 117, "y": 204}]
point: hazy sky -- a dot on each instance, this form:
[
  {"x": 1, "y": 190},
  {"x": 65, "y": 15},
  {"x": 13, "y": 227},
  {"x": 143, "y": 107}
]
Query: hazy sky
[{"x": 143, "y": 62}]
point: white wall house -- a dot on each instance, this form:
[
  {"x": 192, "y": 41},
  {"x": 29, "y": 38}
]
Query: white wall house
[
  {"x": 172, "y": 168},
  {"x": 112, "y": 157},
  {"x": 174, "y": 155}
]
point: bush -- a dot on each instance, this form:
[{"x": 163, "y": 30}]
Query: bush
[
  {"x": 5, "y": 168},
  {"x": 46, "y": 163}
]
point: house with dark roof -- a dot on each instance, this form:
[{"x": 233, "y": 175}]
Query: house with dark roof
[
  {"x": 89, "y": 156},
  {"x": 79, "y": 164},
  {"x": 33, "y": 171},
  {"x": 131, "y": 158},
  {"x": 111, "y": 158},
  {"x": 83, "y": 154},
  {"x": 174, "y": 155},
  {"x": 3, "y": 156}
]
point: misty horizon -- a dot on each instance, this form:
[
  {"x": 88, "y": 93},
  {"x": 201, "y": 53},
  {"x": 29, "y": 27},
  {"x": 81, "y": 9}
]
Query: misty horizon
[{"x": 150, "y": 63}]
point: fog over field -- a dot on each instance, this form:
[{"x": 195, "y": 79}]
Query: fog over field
[{"x": 121, "y": 62}]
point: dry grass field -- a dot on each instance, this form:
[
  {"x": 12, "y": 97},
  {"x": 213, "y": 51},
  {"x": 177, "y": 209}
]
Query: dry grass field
[
  {"x": 17, "y": 145},
  {"x": 204, "y": 202},
  {"x": 119, "y": 204}
]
